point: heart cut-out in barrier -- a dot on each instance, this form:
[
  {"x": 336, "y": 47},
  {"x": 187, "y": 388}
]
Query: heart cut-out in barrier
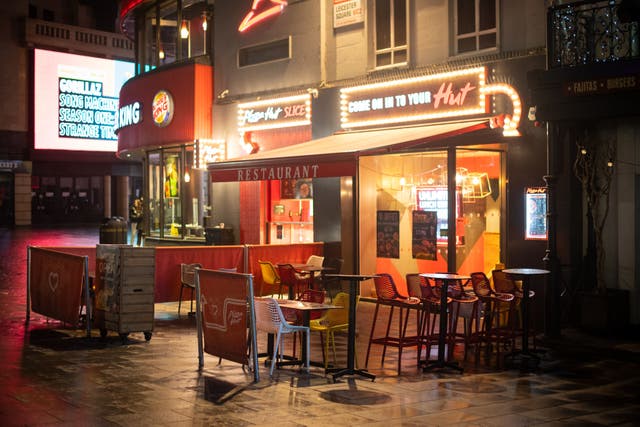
[{"x": 54, "y": 280}]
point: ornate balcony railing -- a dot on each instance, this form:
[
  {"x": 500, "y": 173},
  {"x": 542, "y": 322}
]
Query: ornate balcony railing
[{"x": 589, "y": 32}]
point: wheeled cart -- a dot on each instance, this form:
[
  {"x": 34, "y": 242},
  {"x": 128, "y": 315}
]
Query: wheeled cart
[{"x": 124, "y": 290}]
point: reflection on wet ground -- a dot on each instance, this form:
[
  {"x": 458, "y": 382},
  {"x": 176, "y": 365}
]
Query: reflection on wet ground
[{"x": 54, "y": 375}]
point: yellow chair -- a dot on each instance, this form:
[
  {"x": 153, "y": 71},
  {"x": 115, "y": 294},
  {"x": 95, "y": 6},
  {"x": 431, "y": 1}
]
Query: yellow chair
[
  {"x": 333, "y": 320},
  {"x": 270, "y": 277}
]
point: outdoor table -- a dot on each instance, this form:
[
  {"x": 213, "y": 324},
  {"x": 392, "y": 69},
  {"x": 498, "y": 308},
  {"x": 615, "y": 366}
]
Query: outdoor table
[
  {"x": 525, "y": 274},
  {"x": 441, "y": 362},
  {"x": 354, "y": 289},
  {"x": 304, "y": 307}
]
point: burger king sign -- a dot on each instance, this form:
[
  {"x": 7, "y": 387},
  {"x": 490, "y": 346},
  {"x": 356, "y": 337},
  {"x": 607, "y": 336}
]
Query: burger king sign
[{"x": 162, "y": 107}]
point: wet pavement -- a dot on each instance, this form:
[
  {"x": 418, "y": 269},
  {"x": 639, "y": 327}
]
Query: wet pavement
[{"x": 54, "y": 375}]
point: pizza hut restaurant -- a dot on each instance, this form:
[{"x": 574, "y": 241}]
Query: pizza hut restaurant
[{"x": 409, "y": 175}]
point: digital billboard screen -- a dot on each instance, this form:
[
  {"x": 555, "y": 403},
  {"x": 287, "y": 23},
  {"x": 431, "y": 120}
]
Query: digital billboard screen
[{"x": 76, "y": 101}]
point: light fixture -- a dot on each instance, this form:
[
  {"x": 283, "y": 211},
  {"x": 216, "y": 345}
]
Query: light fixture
[
  {"x": 187, "y": 176},
  {"x": 161, "y": 52},
  {"x": 184, "y": 31},
  {"x": 610, "y": 163},
  {"x": 205, "y": 24}
]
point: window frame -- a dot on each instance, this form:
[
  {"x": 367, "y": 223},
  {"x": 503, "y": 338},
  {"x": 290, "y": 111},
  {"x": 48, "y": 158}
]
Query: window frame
[
  {"x": 476, "y": 34},
  {"x": 392, "y": 49}
]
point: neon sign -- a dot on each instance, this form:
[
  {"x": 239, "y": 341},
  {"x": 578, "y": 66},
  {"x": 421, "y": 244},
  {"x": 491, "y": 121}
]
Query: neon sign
[
  {"x": 275, "y": 113},
  {"x": 258, "y": 14}
]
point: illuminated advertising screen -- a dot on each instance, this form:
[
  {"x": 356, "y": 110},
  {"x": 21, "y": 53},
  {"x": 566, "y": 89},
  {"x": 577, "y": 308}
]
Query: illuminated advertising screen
[{"x": 76, "y": 101}]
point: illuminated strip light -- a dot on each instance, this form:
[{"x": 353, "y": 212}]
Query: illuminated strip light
[
  {"x": 481, "y": 71},
  {"x": 128, "y": 7},
  {"x": 283, "y": 100},
  {"x": 210, "y": 151},
  {"x": 252, "y": 18},
  {"x": 344, "y": 99},
  {"x": 511, "y": 124}
]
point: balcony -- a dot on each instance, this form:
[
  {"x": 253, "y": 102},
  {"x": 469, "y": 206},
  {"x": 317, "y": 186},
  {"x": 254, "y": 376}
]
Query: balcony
[{"x": 590, "y": 32}]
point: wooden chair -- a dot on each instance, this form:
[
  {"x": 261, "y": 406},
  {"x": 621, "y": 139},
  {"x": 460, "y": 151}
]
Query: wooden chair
[{"x": 187, "y": 280}]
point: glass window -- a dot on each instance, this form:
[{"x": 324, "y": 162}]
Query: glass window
[
  {"x": 172, "y": 224},
  {"x": 155, "y": 192},
  {"x": 476, "y": 25},
  {"x": 391, "y": 46}
]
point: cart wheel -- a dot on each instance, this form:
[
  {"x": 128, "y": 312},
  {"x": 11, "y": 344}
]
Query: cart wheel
[
  {"x": 147, "y": 336},
  {"x": 103, "y": 333},
  {"x": 124, "y": 336}
]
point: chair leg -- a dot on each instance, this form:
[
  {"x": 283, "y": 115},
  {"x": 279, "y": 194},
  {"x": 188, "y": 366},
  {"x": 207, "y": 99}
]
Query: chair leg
[
  {"x": 373, "y": 327},
  {"x": 180, "y": 300},
  {"x": 276, "y": 352}
]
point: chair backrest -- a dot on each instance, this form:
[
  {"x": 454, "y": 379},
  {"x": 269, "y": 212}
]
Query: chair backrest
[
  {"x": 269, "y": 317},
  {"x": 188, "y": 273},
  {"x": 413, "y": 285},
  {"x": 269, "y": 273},
  {"x": 502, "y": 283},
  {"x": 481, "y": 284},
  {"x": 386, "y": 288},
  {"x": 287, "y": 274},
  {"x": 339, "y": 316},
  {"x": 455, "y": 288},
  {"x": 228, "y": 270},
  {"x": 315, "y": 260}
]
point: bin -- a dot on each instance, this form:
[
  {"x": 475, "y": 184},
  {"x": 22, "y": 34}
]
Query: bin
[{"x": 113, "y": 230}]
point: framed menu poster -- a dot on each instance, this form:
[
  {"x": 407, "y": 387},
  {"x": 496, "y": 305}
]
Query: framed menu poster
[
  {"x": 388, "y": 234},
  {"x": 424, "y": 240},
  {"x": 536, "y": 213}
]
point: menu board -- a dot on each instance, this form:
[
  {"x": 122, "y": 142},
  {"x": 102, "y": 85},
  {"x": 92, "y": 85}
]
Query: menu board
[
  {"x": 388, "y": 240},
  {"x": 424, "y": 240},
  {"x": 536, "y": 213}
]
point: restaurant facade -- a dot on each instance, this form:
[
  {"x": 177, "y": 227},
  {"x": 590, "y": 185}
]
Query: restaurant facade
[{"x": 403, "y": 155}]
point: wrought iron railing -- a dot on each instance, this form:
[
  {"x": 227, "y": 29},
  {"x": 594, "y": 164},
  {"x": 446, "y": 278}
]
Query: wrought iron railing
[{"x": 589, "y": 32}]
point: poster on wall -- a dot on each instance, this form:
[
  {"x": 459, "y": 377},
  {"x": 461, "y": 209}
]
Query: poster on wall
[
  {"x": 296, "y": 189},
  {"x": 536, "y": 213},
  {"x": 424, "y": 239},
  {"x": 388, "y": 228},
  {"x": 347, "y": 12}
]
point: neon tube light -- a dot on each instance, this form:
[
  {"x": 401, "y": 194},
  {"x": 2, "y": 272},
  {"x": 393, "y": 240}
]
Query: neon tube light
[{"x": 254, "y": 16}]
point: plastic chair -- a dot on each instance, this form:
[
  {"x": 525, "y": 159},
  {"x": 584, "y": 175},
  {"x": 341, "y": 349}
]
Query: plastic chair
[
  {"x": 420, "y": 287},
  {"x": 335, "y": 320},
  {"x": 388, "y": 295},
  {"x": 187, "y": 280},
  {"x": 331, "y": 284},
  {"x": 504, "y": 284},
  {"x": 270, "y": 277},
  {"x": 493, "y": 303},
  {"x": 316, "y": 261},
  {"x": 269, "y": 318},
  {"x": 293, "y": 279}
]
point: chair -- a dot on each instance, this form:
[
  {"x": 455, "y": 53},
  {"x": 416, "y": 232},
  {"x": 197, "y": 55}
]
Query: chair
[
  {"x": 504, "y": 284},
  {"x": 316, "y": 261},
  {"x": 419, "y": 287},
  {"x": 335, "y": 320},
  {"x": 464, "y": 305},
  {"x": 269, "y": 318},
  {"x": 493, "y": 303},
  {"x": 388, "y": 295},
  {"x": 187, "y": 280},
  {"x": 330, "y": 284},
  {"x": 270, "y": 277},
  {"x": 293, "y": 279}
]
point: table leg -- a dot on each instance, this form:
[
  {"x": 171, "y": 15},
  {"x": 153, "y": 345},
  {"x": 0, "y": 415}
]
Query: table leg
[
  {"x": 351, "y": 345},
  {"x": 441, "y": 362}
]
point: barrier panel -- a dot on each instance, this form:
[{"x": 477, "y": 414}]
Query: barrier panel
[
  {"x": 55, "y": 283},
  {"x": 226, "y": 317},
  {"x": 169, "y": 258}
]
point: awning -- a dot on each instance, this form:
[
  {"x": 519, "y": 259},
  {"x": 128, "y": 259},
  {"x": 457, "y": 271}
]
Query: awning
[{"x": 335, "y": 155}]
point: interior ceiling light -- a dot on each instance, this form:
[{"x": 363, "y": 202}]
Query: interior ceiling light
[{"x": 184, "y": 31}]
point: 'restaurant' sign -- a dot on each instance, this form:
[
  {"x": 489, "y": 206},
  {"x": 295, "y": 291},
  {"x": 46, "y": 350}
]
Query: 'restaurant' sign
[
  {"x": 275, "y": 113},
  {"x": 296, "y": 169},
  {"x": 414, "y": 100},
  {"x": 602, "y": 85}
]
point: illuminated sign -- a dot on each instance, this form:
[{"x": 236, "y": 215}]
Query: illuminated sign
[
  {"x": 128, "y": 115},
  {"x": 83, "y": 111},
  {"x": 162, "y": 108},
  {"x": 602, "y": 85},
  {"x": 275, "y": 113},
  {"x": 76, "y": 101},
  {"x": 261, "y": 10},
  {"x": 414, "y": 100},
  {"x": 536, "y": 213},
  {"x": 347, "y": 12}
]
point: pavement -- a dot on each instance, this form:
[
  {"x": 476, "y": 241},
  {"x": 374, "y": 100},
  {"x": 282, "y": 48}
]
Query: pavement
[{"x": 54, "y": 375}]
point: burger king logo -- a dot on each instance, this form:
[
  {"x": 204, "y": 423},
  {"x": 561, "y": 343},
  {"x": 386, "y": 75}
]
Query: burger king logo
[{"x": 162, "y": 108}]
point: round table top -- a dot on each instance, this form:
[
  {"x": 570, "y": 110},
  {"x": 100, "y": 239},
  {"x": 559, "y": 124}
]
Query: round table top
[
  {"x": 352, "y": 276},
  {"x": 526, "y": 271},
  {"x": 446, "y": 276}
]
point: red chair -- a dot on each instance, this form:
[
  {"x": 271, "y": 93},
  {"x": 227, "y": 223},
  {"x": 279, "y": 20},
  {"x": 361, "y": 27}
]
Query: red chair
[
  {"x": 420, "y": 287},
  {"x": 493, "y": 304},
  {"x": 388, "y": 295},
  {"x": 504, "y": 284},
  {"x": 294, "y": 280}
]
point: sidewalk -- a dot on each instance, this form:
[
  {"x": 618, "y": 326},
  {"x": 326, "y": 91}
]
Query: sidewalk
[{"x": 56, "y": 376}]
